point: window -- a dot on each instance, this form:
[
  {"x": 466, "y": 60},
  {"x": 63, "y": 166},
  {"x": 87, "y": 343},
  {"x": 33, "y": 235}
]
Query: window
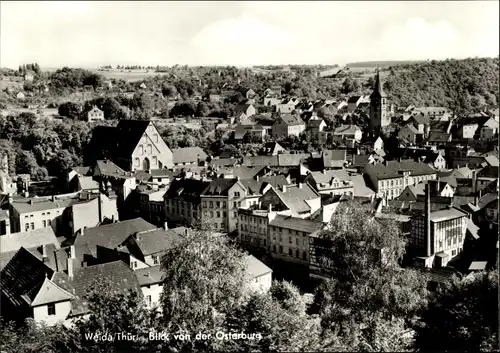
[
  {"x": 224, "y": 214},
  {"x": 155, "y": 160},
  {"x": 222, "y": 226},
  {"x": 137, "y": 162},
  {"x": 134, "y": 264},
  {"x": 281, "y": 249},
  {"x": 32, "y": 225},
  {"x": 148, "y": 299},
  {"x": 211, "y": 204},
  {"x": 290, "y": 252},
  {"x": 204, "y": 204},
  {"x": 150, "y": 149},
  {"x": 218, "y": 204},
  {"x": 211, "y": 214},
  {"x": 235, "y": 214},
  {"x": 51, "y": 309},
  {"x": 218, "y": 214},
  {"x": 236, "y": 194},
  {"x": 290, "y": 240},
  {"x": 141, "y": 149},
  {"x": 155, "y": 260},
  {"x": 224, "y": 204},
  {"x": 44, "y": 222},
  {"x": 26, "y": 227},
  {"x": 155, "y": 137}
]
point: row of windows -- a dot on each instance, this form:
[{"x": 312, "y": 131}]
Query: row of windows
[
  {"x": 176, "y": 211},
  {"x": 217, "y": 214},
  {"x": 290, "y": 231},
  {"x": 138, "y": 162},
  {"x": 217, "y": 204}
]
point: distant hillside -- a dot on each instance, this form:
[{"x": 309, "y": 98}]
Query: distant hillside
[
  {"x": 461, "y": 85},
  {"x": 381, "y": 64}
]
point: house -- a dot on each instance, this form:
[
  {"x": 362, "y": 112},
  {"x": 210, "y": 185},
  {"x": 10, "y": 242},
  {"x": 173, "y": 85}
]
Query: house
[
  {"x": 489, "y": 129},
  {"x": 288, "y": 125},
  {"x": 132, "y": 145},
  {"x": 287, "y": 105},
  {"x": 272, "y": 149},
  {"x": 249, "y": 126},
  {"x": 247, "y": 109},
  {"x": 413, "y": 193},
  {"x": 334, "y": 158},
  {"x": 260, "y": 274},
  {"x": 421, "y": 123},
  {"x": 347, "y": 132},
  {"x": 390, "y": 178},
  {"x": 353, "y": 102},
  {"x": 331, "y": 182},
  {"x": 150, "y": 281},
  {"x": 95, "y": 114},
  {"x": 220, "y": 202},
  {"x": 188, "y": 156},
  {"x": 315, "y": 126},
  {"x": 20, "y": 95},
  {"x": 411, "y": 134},
  {"x": 272, "y": 100},
  {"x": 183, "y": 200},
  {"x": 293, "y": 200},
  {"x": 143, "y": 86},
  {"x": 378, "y": 144},
  {"x": 214, "y": 98},
  {"x": 152, "y": 205},
  {"x": 250, "y": 94},
  {"x": 31, "y": 239}
]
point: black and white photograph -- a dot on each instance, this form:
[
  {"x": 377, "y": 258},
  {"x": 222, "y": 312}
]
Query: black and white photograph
[{"x": 249, "y": 176}]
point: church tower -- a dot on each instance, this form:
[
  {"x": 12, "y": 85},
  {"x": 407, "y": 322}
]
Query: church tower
[{"x": 378, "y": 107}]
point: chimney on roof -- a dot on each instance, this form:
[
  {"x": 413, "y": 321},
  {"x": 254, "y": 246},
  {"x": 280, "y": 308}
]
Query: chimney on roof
[
  {"x": 257, "y": 178},
  {"x": 283, "y": 188},
  {"x": 300, "y": 185},
  {"x": 427, "y": 225}
]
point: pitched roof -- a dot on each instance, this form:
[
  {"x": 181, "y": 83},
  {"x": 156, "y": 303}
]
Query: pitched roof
[
  {"x": 360, "y": 188},
  {"x": 346, "y": 130},
  {"x": 87, "y": 183},
  {"x": 128, "y": 134},
  {"x": 149, "y": 275},
  {"x": 439, "y": 136},
  {"x": 223, "y": 162},
  {"x": 36, "y": 204},
  {"x": 219, "y": 187},
  {"x": 393, "y": 169},
  {"x": 255, "y": 267},
  {"x": 188, "y": 190},
  {"x": 260, "y": 161},
  {"x": 50, "y": 292},
  {"x": 420, "y": 119},
  {"x": 112, "y": 235},
  {"x": 327, "y": 176},
  {"x": 291, "y": 120},
  {"x": 31, "y": 239},
  {"x": 354, "y": 99},
  {"x": 107, "y": 167},
  {"x": 492, "y": 160},
  {"x": 295, "y": 223},
  {"x": 412, "y": 128},
  {"x": 188, "y": 155},
  {"x": 156, "y": 240},
  {"x": 291, "y": 160},
  {"x": 315, "y": 123},
  {"x": 334, "y": 158},
  {"x": 21, "y": 278},
  {"x": 295, "y": 197},
  {"x": 486, "y": 199},
  {"x": 443, "y": 215}
]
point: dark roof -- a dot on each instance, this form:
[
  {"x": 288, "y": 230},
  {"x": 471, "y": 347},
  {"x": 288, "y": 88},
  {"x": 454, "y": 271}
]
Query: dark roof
[
  {"x": 120, "y": 277},
  {"x": 149, "y": 275},
  {"x": 219, "y": 187},
  {"x": 103, "y": 142},
  {"x": 333, "y": 158},
  {"x": 439, "y": 136},
  {"x": 314, "y": 123},
  {"x": 378, "y": 92},
  {"x": 112, "y": 235},
  {"x": 108, "y": 168},
  {"x": 488, "y": 172},
  {"x": 420, "y": 119},
  {"x": 223, "y": 162},
  {"x": 292, "y": 120},
  {"x": 392, "y": 169},
  {"x": 22, "y": 277},
  {"x": 295, "y": 223},
  {"x": 188, "y": 190},
  {"x": 188, "y": 155},
  {"x": 128, "y": 134},
  {"x": 354, "y": 99}
]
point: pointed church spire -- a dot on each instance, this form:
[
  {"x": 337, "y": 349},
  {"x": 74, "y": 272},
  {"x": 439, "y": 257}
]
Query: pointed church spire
[{"x": 378, "y": 92}]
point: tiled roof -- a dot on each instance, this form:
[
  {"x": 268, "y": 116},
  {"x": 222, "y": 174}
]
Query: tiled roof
[
  {"x": 327, "y": 176},
  {"x": 421, "y": 119},
  {"x": 486, "y": 199},
  {"x": 295, "y": 223},
  {"x": 392, "y": 169},
  {"x": 292, "y": 120},
  {"x": 155, "y": 241},
  {"x": 439, "y": 136},
  {"x": 106, "y": 167},
  {"x": 219, "y": 187},
  {"x": 412, "y": 128},
  {"x": 260, "y": 161},
  {"x": 128, "y": 134},
  {"x": 492, "y": 160},
  {"x": 188, "y": 155},
  {"x": 41, "y": 204},
  {"x": 354, "y": 99},
  {"x": 119, "y": 276},
  {"x": 255, "y": 267},
  {"x": 50, "y": 292},
  {"x": 149, "y": 275},
  {"x": 87, "y": 183},
  {"x": 360, "y": 188},
  {"x": 243, "y": 172},
  {"x": 21, "y": 278},
  {"x": 315, "y": 123},
  {"x": 188, "y": 190},
  {"x": 112, "y": 235},
  {"x": 31, "y": 239},
  {"x": 291, "y": 160},
  {"x": 295, "y": 197},
  {"x": 346, "y": 130},
  {"x": 82, "y": 170},
  {"x": 224, "y": 162}
]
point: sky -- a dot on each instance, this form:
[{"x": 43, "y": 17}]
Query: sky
[{"x": 93, "y": 33}]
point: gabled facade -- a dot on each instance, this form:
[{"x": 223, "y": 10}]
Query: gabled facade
[
  {"x": 95, "y": 114},
  {"x": 288, "y": 125}
]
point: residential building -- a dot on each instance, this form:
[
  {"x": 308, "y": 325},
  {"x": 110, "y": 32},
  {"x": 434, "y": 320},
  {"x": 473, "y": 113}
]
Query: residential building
[
  {"x": 192, "y": 156},
  {"x": 390, "y": 178},
  {"x": 421, "y": 123},
  {"x": 4, "y": 222},
  {"x": 288, "y": 125},
  {"x": 95, "y": 114},
  {"x": 150, "y": 280},
  {"x": 251, "y": 127},
  {"x": 221, "y": 200},
  {"x": 489, "y": 129},
  {"x": 438, "y": 138},
  {"x": 315, "y": 126},
  {"x": 347, "y": 132},
  {"x": 183, "y": 200},
  {"x": 378, "y": 107},
  {"x": 334, "y": 158},
  {"x": 353, "y": 102},
  {"x": 20, "y": 95},
  {"x": 272, "y": 100},
  {"x": 132, "y": 145},
  {"x": 331, "y": 182},
  {"x": 247, "y": 109},
  {"x": 261, "y": 275},
  {"x": 439, "y": 188},
  {"x": 152, "y": 205},
  {"x": 272, "y": 149},
  {"x": 287, "y": 105},
  {"x": 300, "y": 200},
  {"x": 410, "y": 134},
  {"x": 32, "y": 239}
]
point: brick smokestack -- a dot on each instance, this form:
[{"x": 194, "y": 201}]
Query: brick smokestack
[{"x": 427, "y": 226}]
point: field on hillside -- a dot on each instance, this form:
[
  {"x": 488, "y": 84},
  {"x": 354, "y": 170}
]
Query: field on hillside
[
  {"x": 382, "y": 64},
  {"x": 126, "y": 75}
]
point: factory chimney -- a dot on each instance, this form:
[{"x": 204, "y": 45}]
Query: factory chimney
[{"x": 427, "y": 226}]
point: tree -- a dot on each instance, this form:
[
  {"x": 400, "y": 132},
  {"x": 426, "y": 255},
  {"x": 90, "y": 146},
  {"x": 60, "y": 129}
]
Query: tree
[
  {"x": 70, "y": 110},
  {"x": 168, "y": 90},
  {"x": 204, "y": 280},
  {"x": 202, "y": 109},
  {"x": 462, "y": 316}
]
